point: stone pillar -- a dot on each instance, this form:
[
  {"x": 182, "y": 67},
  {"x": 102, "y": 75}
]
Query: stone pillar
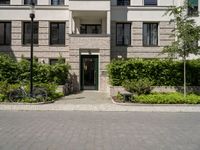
[
  {"x": 43, "y": 38},
  {"x": 77, "y": 25},
  {"x": 108, "y": 22},
  {"x": 103, "y": 25},
  {"x": 70, "y": 22}
]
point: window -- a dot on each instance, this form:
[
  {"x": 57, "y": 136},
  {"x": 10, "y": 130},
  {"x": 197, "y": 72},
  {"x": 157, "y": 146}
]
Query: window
[
  {"x": 4, "y": 2},
  {"x": 27, "y": 33},
  {"x": 54, "y": 61},
  {"x": 57, "y": 33},
  {"x": 193, "y": 7},
  {"x": 123, "y": 34},
  {"x": 5, "y": 33},
  {"x": 28, "y": 2},
  {"x": 57, "y": 2},
  {"x": 35, "y": 59},
  {"x": 150, "y": 2},
  {"x": 123, "y": 2},
  {"x": 150, "y": 34},
  {"x": 90, "y": 29}
]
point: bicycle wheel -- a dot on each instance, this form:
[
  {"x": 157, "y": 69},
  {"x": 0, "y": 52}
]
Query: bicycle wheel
[
  {"x": 16, "y": 95},
  {"x": 40, "y": 94}
]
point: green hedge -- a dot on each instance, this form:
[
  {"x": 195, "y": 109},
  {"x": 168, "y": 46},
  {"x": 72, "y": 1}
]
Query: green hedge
[
  {"x": 161, "y": 72},
  {"x": 167, "y": 98},
  {"x": 13, "y": 71}
]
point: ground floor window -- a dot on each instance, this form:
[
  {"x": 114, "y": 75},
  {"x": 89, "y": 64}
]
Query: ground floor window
[
  {"x": 193, "y": 7},
  {"x": 5, "y": 33},
  {"x": 53, "y": 61}
]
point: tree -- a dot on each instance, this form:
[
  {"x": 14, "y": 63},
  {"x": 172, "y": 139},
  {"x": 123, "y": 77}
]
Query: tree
[{"x": 187, "y": 34}]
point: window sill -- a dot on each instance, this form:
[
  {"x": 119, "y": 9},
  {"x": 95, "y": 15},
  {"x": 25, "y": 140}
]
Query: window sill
[
  {"x": 29, "y": 45},
  {"x": 151, "y": 46},
  {"x": 57, "y": 45},
  {"x": 5, "y": 44},
  {"x": 124, "y": 45},
  {"x": 193, "y": 15}
]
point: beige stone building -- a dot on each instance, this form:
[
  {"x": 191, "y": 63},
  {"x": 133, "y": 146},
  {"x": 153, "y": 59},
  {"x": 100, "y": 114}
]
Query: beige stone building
[{"x": 87, "y": 33}]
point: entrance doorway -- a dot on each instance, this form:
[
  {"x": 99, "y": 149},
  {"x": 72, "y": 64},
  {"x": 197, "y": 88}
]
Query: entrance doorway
[{"x": 89, "y": 72}]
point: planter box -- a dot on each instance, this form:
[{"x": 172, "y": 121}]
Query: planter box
[{"x": 163, "y": 89}]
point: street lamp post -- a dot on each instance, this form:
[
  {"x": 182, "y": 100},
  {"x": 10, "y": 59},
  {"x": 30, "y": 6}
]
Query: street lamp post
[{"x": 32, "y": 16}]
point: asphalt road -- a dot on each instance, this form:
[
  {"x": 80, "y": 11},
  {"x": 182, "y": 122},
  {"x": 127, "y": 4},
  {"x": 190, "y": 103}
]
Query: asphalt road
[{"x": 76, "y": 130}]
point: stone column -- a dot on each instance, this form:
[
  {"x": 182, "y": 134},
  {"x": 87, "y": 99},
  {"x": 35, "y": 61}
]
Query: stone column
[{"x": 108, "y": 22}]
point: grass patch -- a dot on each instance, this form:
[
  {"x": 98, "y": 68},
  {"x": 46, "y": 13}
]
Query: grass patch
[{"x": 167, "y": 98}]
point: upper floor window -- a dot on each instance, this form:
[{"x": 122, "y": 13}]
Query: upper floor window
[
  {"x": 193, "y": 7},
  {"x": 123, "y": 34},
  {"x": 5, "y": 33},
  {"x": 28, "y": 2},
  {"x": 27, "y": 33},
  {"x": 4, "y": 2},
  {"x": 150, "y": 2},
  {"x": 57, "y": 2},
  {"x": 57, "y": 33},
  {"x": 90, "y": 29},
  {"x": 123, "y": 2},
  {"x": 150, "y": 34}
]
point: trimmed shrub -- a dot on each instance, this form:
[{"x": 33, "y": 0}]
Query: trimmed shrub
[
  {"x": 161, "y": 72},
  {"x": 141, "y": 86},
  {"x": 167, "y": 98}
]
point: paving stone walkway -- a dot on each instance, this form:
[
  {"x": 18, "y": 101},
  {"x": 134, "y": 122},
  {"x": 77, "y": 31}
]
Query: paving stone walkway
[{"x": 86, "y": 97}]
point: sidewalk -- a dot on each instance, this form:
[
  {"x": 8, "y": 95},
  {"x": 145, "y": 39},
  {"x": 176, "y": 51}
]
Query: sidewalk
[
  {"x": 96, "y": 101},
  {"x": 103, "y": 107}
]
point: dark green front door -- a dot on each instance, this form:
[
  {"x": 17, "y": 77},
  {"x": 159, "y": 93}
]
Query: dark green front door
[{"x": 89, "y": 72}]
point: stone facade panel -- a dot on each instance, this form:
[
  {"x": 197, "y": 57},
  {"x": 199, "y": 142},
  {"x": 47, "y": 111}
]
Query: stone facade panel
[
  {"x": 43, "y": 24},
  {"x": 16, "y": 24}
]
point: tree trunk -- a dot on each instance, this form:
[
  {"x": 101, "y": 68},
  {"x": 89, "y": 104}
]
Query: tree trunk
[{"x": 184, "y": 86}]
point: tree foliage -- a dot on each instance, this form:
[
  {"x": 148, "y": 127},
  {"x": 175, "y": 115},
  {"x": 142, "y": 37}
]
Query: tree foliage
[{"x": 186, "y": 32}]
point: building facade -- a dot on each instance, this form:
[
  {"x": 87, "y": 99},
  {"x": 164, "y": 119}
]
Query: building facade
[{"x": 88, "y": 33}]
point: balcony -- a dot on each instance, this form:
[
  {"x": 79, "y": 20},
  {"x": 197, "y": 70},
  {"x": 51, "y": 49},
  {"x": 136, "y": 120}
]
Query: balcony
[{"x": 86, "y": 22}]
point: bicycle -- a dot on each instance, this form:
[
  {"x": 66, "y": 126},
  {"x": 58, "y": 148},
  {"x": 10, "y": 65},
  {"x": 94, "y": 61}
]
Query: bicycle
[
  {"x": 18, "y": 94},
  {"x": 68, "y": 87}
]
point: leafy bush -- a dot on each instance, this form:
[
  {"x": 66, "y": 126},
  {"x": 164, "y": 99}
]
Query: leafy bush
[
  {"x": 141, "y": 86},
  {"x": 14, "y": 72},
  {"x": 8, "y": 69},
  {"x": 161, "y": 72},
  {"x": 51, "y": 90},
  {"x": 6, "y": 88},
  {"x": 2, "y": 98},
  {"x": 167, "y": 98}
]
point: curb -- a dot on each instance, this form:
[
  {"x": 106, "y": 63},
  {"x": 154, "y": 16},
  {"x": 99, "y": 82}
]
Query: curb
[{"x": 39, "y": 103}]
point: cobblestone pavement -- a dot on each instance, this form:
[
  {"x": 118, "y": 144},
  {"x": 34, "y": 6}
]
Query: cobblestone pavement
[{"x": 75, "y": 130}]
